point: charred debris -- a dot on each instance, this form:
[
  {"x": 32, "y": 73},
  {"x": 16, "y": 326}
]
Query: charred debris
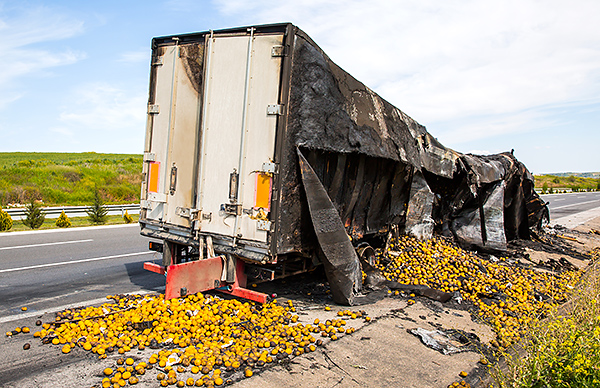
[{"x": 368, "y": 169}]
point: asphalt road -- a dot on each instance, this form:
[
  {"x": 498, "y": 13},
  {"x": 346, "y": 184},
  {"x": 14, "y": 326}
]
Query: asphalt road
[
  {"x": 46, "y": 270},
  {"x": 565, "y": 205}
]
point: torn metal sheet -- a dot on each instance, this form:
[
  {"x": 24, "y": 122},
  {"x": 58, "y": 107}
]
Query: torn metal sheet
[
  {"x": 493, "y": 219},
  {"x": 340, "y": 260},
  {"x": 419, "y": 222},
  {"x": 446, "y": 342}
]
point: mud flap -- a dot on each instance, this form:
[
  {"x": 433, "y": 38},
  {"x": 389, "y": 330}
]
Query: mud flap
[{"x": 340, "y": 260}]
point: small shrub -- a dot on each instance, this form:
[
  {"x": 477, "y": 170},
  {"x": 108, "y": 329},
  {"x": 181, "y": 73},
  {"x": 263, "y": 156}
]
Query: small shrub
[
  {"x": 6, "y": 221},
  {"x": 127, "y": 218},
  {"x": 34, "y": 215},
  {"x": 97, "y": 212},
  {"x": 63, "y": 220}
]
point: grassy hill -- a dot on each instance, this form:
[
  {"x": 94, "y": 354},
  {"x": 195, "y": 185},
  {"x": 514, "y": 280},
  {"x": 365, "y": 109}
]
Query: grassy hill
[
  {"x": 575, "y": 182},
  {"x": 69, "y": 178},
  {"x": 578, "y": 174}
]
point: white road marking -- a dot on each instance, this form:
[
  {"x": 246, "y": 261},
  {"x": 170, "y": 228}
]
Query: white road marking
[
  {"x": 575, "y": 204},
  {"x": 76, "y": 229},
  {"x": 46, "y": 244},
  {"x": 75, "y": 261},
  {"x": 559, "y": 199}
]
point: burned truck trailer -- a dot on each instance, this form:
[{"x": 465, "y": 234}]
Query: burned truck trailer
[{"x": 264, "y": 158}]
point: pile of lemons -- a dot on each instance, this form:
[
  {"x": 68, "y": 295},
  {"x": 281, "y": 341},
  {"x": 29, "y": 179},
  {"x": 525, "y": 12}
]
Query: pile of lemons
[
  {"x": 506, "y": 295},
  {"x": 199, "y": 340}
]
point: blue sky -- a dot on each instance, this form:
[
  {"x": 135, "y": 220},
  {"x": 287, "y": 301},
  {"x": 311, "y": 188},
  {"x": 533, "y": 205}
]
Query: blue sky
[{"x": 482, "y": 76}]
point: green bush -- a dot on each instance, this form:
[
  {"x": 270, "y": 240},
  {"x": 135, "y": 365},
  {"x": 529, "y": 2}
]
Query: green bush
[
  {"x": 63, "y": 220},
  {"x": 127, "y": 218},
  {"x": 34, "y": 215},
  {"x": 6, "y": 221},
  {"x": 97, "y": 212}
]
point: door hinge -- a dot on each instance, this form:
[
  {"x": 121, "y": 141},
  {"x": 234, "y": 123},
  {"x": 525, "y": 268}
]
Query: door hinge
[
  {"x": 274, "y": 109},
  {"x": 278, "y": 51},
  {"x": 149, "y": 157},
  {"x": 234, "y": 209},
  {"x": 153, "y": 109},
  {"x": 263, "y": 225},
  {"x": 157, "y": 61},
  {"x": 157, "y": 197},
  {"x": 186, "y": 212},
  {"x": 269, "y": 167}
]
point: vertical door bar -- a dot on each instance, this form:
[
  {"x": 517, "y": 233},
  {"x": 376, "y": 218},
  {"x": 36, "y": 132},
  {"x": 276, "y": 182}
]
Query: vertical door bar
[
  {"x": 243, "y": 137},
  {"x": 203, "y": 129},
  {"x": 171, "y": 116}
]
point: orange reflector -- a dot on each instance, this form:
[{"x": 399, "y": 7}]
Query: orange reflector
[
  {"x": 153, "y": 177},
  {"x": 263, "y": 191}
]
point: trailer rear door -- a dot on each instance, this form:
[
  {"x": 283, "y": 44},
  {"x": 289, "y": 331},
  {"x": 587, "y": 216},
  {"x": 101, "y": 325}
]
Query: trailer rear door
[
  {"x": 172, "y": 141},
  {"x": 242, "y": 81}
]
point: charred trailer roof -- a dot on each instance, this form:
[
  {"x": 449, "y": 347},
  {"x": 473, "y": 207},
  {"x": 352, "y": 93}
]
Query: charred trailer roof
[{"x": 382, "y": 168}]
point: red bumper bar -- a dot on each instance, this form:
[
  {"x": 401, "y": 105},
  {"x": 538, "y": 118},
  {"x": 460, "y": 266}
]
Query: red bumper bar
[{"x": 204, "y": 275}]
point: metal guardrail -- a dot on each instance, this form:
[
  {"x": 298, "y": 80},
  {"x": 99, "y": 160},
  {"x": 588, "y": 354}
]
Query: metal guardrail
[{"x": 74, "y": 211}]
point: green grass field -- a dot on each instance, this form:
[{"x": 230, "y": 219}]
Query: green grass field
[
  {"x": 575, "y": 183},
  {"x": 69, "y": 178}
]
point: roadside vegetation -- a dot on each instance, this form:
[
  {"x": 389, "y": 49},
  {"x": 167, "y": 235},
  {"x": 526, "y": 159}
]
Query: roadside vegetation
[
  {"x": 555, "y": 183},
  {"x": 61, "y": 179},
  {"x": 73, "y": 222},
  {"x": 564, "y": 349}
]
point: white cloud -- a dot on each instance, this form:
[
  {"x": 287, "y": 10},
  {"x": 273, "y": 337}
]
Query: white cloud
[
  {"x": 21, "y": 29},
  {"x": 135, "y": 56},
  {"x": 501, "y": 65},
  {"x": 104, "y": 109}
]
